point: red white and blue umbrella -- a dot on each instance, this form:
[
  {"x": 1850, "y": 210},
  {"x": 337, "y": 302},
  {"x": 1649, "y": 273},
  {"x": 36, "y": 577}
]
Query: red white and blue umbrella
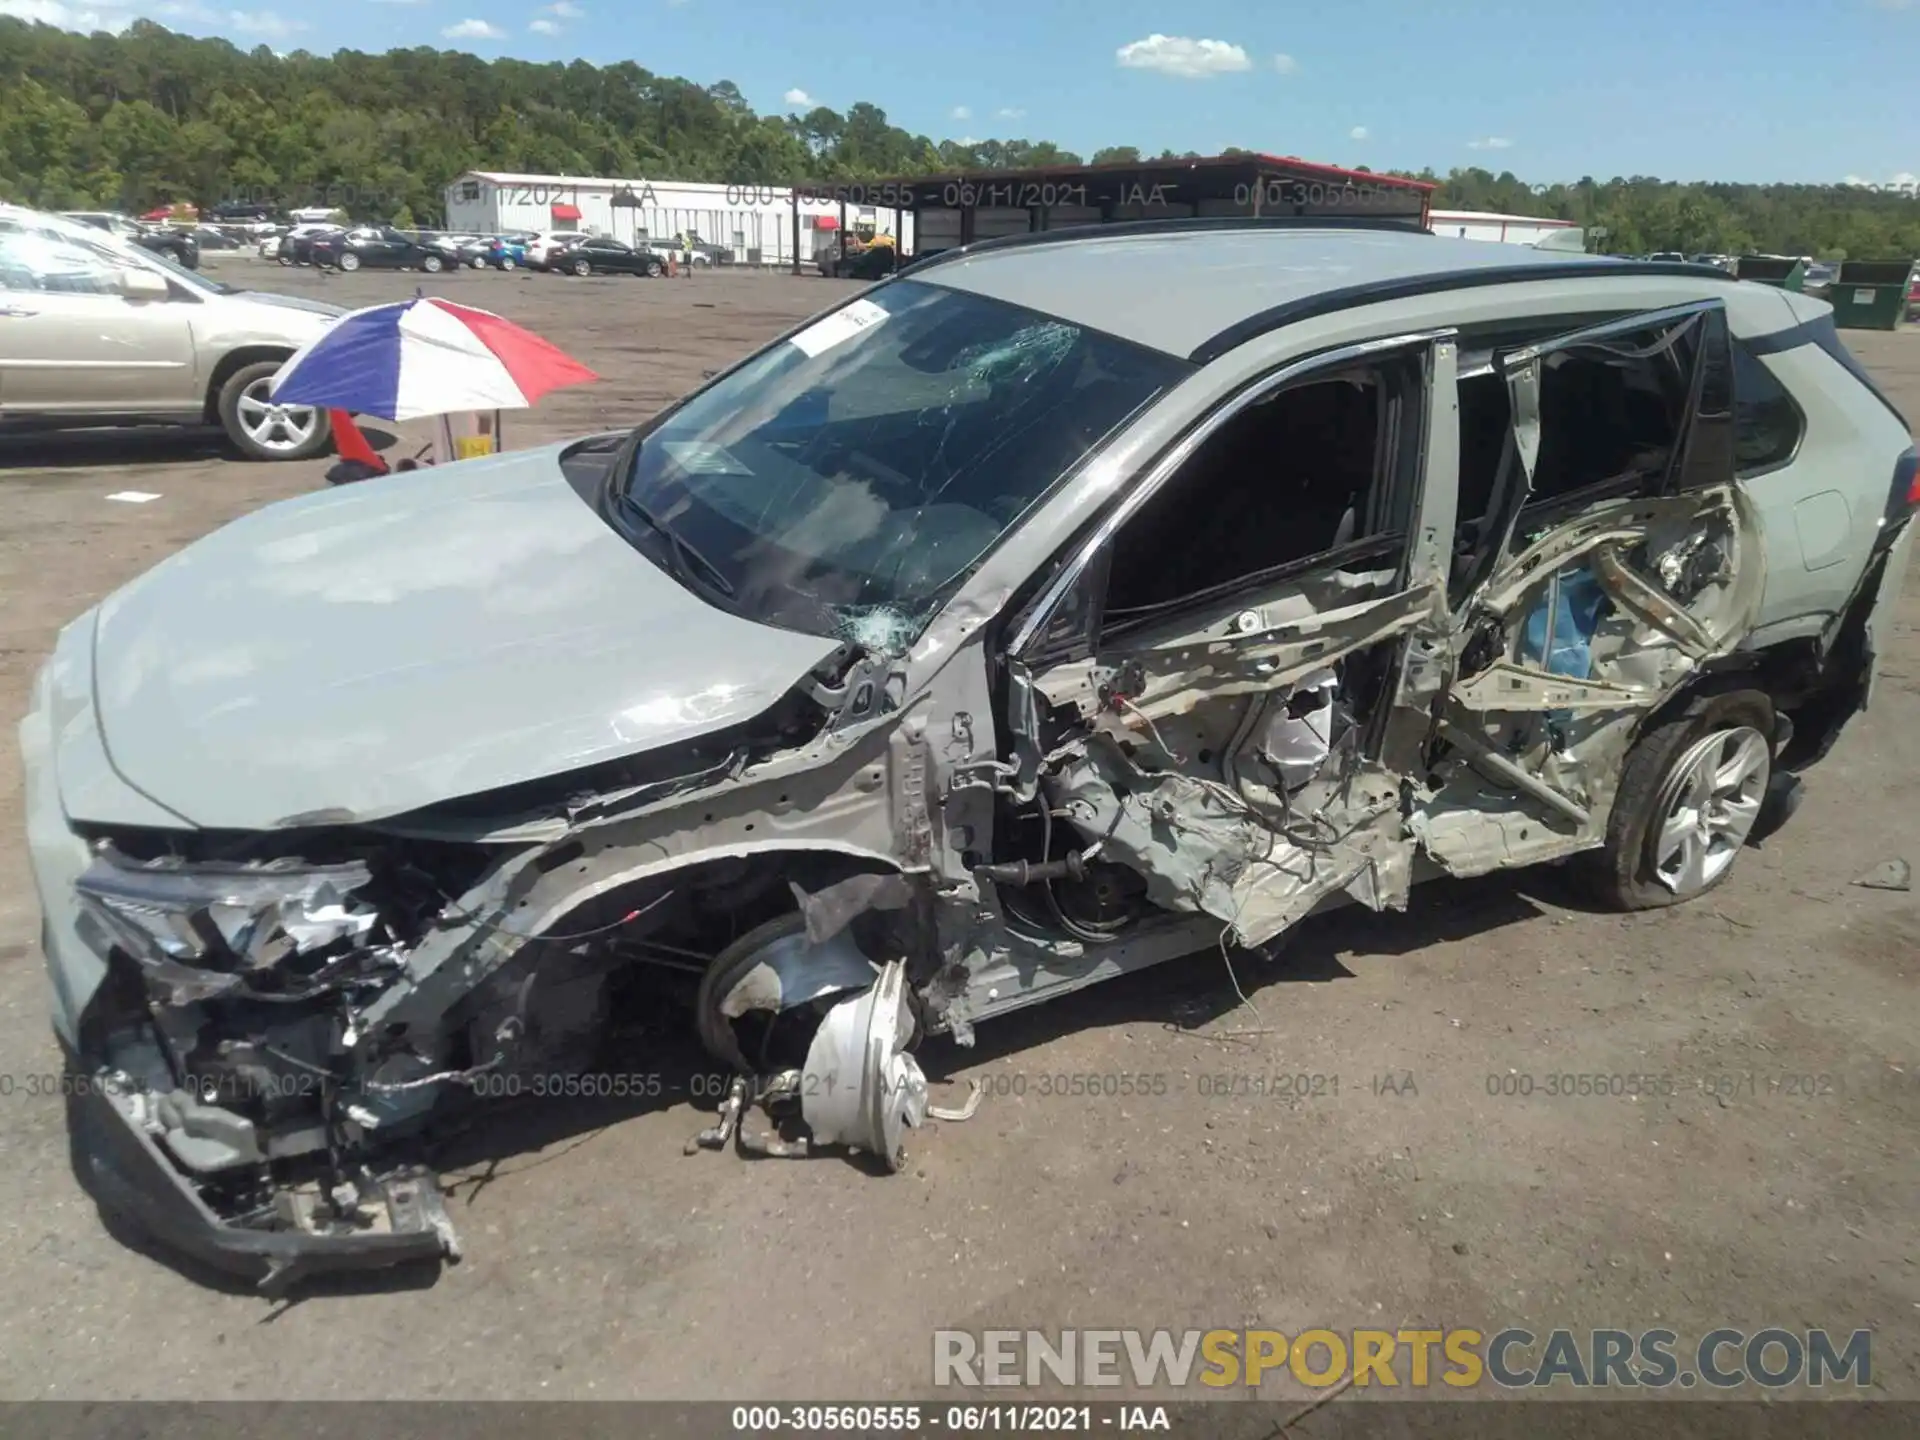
[{"x": 424, "y": 356}]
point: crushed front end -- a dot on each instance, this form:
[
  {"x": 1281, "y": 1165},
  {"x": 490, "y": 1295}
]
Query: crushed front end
[{"x": 224, "y": 1091}]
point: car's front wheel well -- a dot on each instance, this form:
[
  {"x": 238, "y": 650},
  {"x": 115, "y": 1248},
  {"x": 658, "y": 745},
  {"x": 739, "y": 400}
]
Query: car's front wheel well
[
  {"x": 230, "y": 364},
  {"x": 666, "y": 934}
]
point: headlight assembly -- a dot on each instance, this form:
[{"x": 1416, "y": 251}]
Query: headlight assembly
[{"x": 244, "y": 919}]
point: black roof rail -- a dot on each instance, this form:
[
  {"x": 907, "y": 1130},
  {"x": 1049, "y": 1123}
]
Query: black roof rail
[
  {"x": 1376, "y": 292},
  {"x": 1203, "y": 224}
]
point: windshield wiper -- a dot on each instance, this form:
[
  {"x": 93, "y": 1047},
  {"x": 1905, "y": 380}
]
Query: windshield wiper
[{"x": 684, "y": 552}]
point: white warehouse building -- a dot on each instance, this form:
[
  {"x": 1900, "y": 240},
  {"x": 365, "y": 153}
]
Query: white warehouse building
[
  {"x": 755, "y": 222},
  {"x": 1532, "y": 230}
]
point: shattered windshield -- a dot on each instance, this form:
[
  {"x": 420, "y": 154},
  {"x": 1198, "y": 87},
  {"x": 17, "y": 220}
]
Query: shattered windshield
[{"x": 840, "y": 482}]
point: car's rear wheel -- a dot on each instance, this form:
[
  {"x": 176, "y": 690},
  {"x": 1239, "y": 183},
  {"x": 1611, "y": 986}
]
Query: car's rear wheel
[
  {"x": 433, "y": 264},
  {"x": 479, "y": 262},
  {"x": 263, "y": 430},
  {"x": 1690, "y": 795},
  {"x": 582, "y": 267},
  {"x": 506, "y": 262},
  {"x": 656, "y": 269},
  {"x": 349, "y": 261},
  {"x": 284, "y": 258}
]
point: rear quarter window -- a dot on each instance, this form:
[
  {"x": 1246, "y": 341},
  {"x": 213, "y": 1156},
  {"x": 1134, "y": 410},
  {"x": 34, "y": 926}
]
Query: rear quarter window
[{"x": 1767, "y": 424}]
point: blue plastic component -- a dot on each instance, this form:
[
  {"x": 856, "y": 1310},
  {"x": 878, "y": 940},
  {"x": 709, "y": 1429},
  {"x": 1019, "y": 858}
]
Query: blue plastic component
[{"x": 1576, "y": 615}]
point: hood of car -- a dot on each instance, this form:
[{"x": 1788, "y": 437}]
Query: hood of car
[
  {"x": 290, "y": 302},
  {"x": 367, "y": 651}
]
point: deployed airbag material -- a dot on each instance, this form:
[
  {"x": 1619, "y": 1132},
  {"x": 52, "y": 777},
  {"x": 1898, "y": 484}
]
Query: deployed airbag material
[{"x": 1559, "y": 635}]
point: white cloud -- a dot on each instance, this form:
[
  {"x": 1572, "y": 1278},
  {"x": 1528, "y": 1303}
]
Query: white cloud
[
  {"x": 1904, "y": 182},
  {"x": 796, "y": 96},
  {"x": 1184, "y": 58},
  {"x": 1359, "y": 132},
  {"x": 1009, "y": 112},
  {"x": 474, "y": 30},
  {"x": 84, "y": 18},
  {"x": 543, "y": 27},
  {"x": 961, "y": 112},
  {"x": 566, "y": 10},
  {"x": 113, "y": 18},
  {"x": 967, "y": 141},
  {"x": 264, "y": 23},
  {"x": 1492, "y": 142},
  {"x": 399, "y": 2},
  {"x": 1285, "y": 64}
]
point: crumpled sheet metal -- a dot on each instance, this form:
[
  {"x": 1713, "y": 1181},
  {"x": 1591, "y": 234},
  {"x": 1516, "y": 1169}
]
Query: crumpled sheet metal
[
  {"x": 1183, "y": 837},
  {"x": 1180, "y": 676},
  {"x": 832, "y": 908}
]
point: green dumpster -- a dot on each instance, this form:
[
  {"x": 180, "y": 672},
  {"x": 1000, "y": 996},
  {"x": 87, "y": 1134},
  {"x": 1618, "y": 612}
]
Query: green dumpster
[
  {"x": 1871, "y": 294},
  {"x": 1783, "y": 272}
]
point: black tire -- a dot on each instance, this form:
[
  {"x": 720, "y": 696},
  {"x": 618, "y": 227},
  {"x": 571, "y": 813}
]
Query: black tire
[
  {"x": 349, "y": 261},
  {"x": 655, "y": 269},
  {"x": 433, "y": 264},
  {"x": 1621, "y": 875},
  {"x": 582, "y": 267},
  {"x": 229, "y": 411},
  {"x": 726, "y": 970},
  {"x": 285, "y": 259}
]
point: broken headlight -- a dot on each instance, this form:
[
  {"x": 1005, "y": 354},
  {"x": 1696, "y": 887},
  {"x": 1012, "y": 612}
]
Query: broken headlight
[{"x": 233, "y": 925}]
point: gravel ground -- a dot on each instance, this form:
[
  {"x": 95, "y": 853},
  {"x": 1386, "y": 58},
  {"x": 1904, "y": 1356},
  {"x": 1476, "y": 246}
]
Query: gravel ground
[{"x": 602, "y": 1263}]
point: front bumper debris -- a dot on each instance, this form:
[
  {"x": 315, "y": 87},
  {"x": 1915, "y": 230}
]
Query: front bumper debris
[{"x": 124, "y": 1169}]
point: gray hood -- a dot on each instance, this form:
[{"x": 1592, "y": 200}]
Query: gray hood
[
  {"x": 366, "y": 651},
  {"x": 290, "y": 302}
]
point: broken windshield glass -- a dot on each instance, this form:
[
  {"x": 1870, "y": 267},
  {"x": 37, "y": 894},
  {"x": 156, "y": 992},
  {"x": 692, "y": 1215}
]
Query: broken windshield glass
[{"x": 844, "y": 479}]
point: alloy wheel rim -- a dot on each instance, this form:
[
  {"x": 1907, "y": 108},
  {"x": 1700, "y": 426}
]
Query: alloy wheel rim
[
  {"x": 1710, "y": 806},
  {"x": 279, "y": 428}
]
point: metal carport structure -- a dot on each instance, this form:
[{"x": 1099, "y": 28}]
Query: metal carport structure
[{"x": 960, "y": 207}]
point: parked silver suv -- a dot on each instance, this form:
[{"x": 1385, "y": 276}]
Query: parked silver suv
[
  {"x": 95, "y": 330},
  {"x": 1009, "y": 627}
]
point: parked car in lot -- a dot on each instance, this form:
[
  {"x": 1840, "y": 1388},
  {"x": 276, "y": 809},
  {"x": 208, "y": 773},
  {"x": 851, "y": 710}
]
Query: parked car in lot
[
  {"x": 209, "y": 237},
  {"x": 442, "y": 252},
  {"x": 96, "y": 331},
  {"x": 705, "y": 252},
  {"x": 507, "y": 252},
  {"x": 1165, "y": 617},
  {"x": 296, "y": 246},
  {"x": 239, "y": 212},
  {"x": 547, "y": 241},
  {"x": 603, "y": 255},
  {"x": 474, "y": 251},
  {"x": 179, "y": 245},
  {"x": 375, "y": 247}
]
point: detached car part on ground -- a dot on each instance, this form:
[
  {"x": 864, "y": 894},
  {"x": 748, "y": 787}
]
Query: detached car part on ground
[{"x": 944, "y": 657}]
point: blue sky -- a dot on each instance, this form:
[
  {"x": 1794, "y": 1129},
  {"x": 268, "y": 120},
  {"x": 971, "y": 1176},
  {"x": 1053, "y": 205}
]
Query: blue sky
[{"x": 1685, "y": 89}]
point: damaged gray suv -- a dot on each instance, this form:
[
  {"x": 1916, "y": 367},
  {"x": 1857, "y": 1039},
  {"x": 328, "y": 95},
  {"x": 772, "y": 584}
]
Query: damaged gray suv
[{"x": 1010, "y": 627}]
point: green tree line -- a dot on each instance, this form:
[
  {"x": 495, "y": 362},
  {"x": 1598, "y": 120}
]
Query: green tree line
[{"x": 146, "y": 117}]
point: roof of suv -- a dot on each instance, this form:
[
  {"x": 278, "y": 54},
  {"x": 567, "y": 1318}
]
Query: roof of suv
[{"x": 1176, "y": 288}]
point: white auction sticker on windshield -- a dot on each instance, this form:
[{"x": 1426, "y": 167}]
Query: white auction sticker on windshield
[{"x": 841, "y": 326}]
